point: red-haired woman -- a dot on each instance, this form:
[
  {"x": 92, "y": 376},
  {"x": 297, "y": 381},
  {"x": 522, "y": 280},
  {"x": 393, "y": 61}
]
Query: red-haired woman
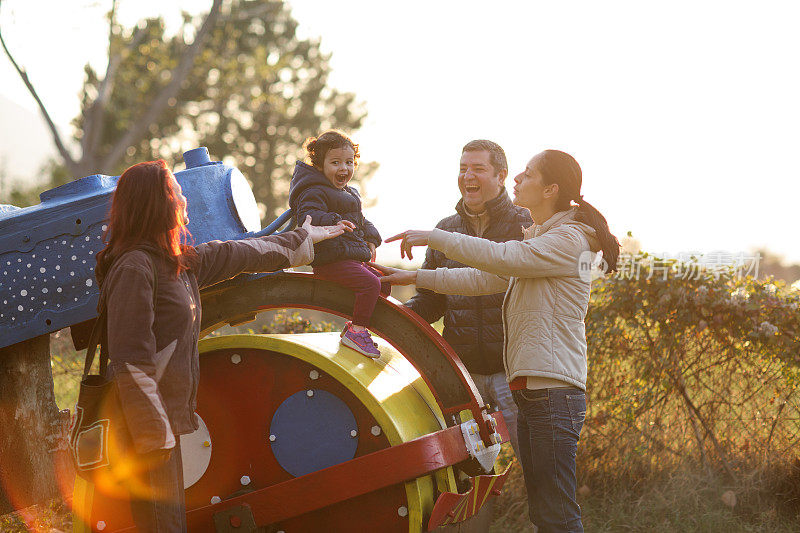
[{"x": 152, "y": 335}]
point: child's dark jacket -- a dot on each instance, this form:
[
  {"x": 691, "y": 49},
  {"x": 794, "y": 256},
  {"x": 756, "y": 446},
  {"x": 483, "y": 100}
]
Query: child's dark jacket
[{"x": 310, "y": 193}]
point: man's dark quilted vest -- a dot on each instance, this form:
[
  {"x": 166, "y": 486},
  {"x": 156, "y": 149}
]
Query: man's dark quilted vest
[{"x": 473, "y": 325}]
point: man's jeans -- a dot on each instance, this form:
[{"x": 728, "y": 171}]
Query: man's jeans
[
  {"x": 549, "y": 424},
  {"x": 494, "y": 390}
]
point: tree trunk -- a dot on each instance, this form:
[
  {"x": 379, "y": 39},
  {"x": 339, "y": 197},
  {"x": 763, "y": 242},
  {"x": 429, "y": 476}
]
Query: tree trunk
[{"x": 34, "y": 467}]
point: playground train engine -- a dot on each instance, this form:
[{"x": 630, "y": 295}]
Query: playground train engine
[{"x": 297, "y": 433}]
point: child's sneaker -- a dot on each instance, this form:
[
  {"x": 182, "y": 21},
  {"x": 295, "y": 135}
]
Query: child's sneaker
[{"x": 360, "y": 341}]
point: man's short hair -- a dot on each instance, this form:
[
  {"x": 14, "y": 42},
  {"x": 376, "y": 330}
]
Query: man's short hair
[{"x": 497, "y": 157}]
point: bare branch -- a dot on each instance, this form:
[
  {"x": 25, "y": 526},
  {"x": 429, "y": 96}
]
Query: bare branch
[
  {"x": 90, "y": 124},
  {"x": 95, "y": 115},
  {"x": 62, "y": 149},
  {"x": 253, "y": 12},
  {"x": 112, "y": 15},
  {"x": 777, "y": 417},
  {"x": 136, "y": 133},
  {"x": 696, "y": 417}
]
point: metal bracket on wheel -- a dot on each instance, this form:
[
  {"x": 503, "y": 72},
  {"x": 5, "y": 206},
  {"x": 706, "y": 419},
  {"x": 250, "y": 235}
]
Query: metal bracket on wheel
[
  {"x": 484, "y": 455},
  {"x": 235, "y": 520}
]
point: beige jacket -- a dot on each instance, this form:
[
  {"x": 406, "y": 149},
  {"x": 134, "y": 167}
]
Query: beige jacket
[{"x": 546, "y": 298}]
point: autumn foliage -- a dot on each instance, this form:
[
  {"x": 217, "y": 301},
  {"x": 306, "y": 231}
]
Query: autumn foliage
[{"x": 701, "y": 370}]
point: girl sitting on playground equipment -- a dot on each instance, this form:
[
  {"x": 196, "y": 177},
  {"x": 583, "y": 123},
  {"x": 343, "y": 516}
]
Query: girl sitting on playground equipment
[{"x": 320, "y": 190}]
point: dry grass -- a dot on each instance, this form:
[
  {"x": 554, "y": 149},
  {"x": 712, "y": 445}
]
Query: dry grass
[{"x": 684, "y": 500}]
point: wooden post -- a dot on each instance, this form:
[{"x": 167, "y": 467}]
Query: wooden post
[{"x": 32, "y": 445}]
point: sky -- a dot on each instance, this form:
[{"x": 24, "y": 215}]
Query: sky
[{"x": 684, "y": 116}]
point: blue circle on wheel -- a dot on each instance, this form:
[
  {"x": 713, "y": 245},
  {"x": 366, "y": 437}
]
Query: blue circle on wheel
[{"x": 312, "y": 432}]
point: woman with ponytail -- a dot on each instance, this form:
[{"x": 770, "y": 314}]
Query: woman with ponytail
[{"x": 547, "y": 296}]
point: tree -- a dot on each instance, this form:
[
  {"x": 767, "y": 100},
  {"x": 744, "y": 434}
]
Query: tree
[
  {"x": 246, "y": 87},
  {"x": 90, "y": 158}
]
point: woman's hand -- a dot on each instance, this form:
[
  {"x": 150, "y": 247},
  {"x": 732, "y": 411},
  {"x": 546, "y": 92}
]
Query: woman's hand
[
  {"x": 153, "y": 459},
  {"x": 347, "y": 225},
  {"x": 321, "y": 233},
  {"x": 371, "y": 251},
  {"x": 396, "y": 276},
  {"x": 411, "y": 238}
]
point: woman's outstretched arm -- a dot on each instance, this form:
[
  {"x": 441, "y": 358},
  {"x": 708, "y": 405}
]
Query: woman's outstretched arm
[
  {"x": 556, "y": 253},
  {"x": 464, "y": 281},
  {"x": 221, "y": 260}
]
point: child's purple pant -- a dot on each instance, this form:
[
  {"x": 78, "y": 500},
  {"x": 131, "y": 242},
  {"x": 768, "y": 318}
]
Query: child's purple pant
[{"x": 362, "y": 279}]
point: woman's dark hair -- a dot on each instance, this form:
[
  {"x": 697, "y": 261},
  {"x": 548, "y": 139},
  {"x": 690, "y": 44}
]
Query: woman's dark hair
[
  {"x": 562, "y": 169},
  {"x": 317, "y": 147},
  {"x": 146, "y": 209}
]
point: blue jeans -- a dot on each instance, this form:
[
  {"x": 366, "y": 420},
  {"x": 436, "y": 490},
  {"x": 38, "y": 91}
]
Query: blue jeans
[
  {"x": 162, "y": 507},
  {"x": 494, "y": 390},
  {"x": 549, "y": 424}
]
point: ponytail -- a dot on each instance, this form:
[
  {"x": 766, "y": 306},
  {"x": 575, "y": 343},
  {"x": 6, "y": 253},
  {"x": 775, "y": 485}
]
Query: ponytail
[
  {"x": 561, "y": 168},
  {"x": 609, "y": 243}
]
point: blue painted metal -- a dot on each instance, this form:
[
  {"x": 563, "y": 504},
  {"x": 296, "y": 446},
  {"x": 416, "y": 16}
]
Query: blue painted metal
[
  {"x": 285, "y": 217},
  {"x": 197, "y": 157},
  {"x": 312, "y": 432},
  {"x": 47, "y": 251}
]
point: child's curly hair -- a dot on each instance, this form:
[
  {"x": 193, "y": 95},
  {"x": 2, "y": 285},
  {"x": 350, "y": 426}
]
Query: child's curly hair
[{"x": 317, "y": 147}]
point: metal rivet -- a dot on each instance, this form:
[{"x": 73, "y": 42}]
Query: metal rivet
[
  {"x": 206, "y": 444},
  {"x": 313, "y": 374},
  {"x": 236, "y": 359},
  {"x": 376, "y": 430},
  {"x": 310, "y": 393},
  {"x": 215, "y": 500},
  {"x": 245, "y": 480},
  {"x": 402, "y": 511},
  {"x": 353, "y": 433},
  {"x": 272, "y": 438},
  {"x": 101, "y": 525}
]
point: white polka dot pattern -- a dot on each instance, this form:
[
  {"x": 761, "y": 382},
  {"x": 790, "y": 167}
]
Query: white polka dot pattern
[{"x": 34, "y": 288}]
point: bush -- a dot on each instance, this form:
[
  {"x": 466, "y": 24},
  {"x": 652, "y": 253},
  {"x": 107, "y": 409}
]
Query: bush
[
  {"x": 700, "y": 371},
  {"x": 693, "y": 416},
  {"x": 293, "y": 322}
]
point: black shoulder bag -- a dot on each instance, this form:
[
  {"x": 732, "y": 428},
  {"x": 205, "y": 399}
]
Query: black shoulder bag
[{"x": 100, "y": 442}]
